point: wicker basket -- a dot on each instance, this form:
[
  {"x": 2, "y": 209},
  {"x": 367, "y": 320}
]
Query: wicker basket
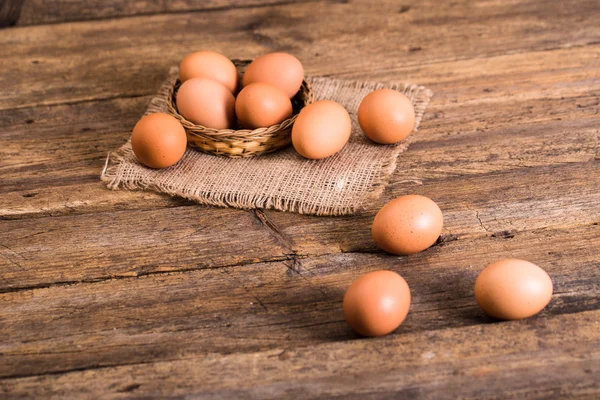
[{"x": 237, "y": 143}]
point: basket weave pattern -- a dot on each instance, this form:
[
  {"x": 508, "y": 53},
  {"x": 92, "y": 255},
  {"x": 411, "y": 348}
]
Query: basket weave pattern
[{"x": 236, "y": 143}]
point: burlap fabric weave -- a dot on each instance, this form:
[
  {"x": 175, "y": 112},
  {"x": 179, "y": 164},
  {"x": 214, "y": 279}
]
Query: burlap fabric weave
[{"x": 341, "y": 184}]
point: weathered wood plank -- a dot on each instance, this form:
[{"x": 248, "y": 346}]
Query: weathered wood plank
[
  {"x": 279, "y": 304},
  {"x": 80, "y": 198},
  {"x": 535, "y": 358},
  {"x": 135, "y": 66},
  {"x": 66, "y": 249},
  {"x": 53, "y": 146},
  {"x": 10, "y": 12},
  {"x": 42, "y": 251},
  {"x": 498, "y": 204},
  {"x": 53, "y": 11},
  {"x": 251, "y": 308},
  {"x": 561, "y": 126},
  {"x": 48, "y": 152},
  {"x": 524, "y": 144},
  {"x": 67, "y": 155}
]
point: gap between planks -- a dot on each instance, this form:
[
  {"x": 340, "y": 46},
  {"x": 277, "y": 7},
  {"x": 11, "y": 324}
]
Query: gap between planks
[
  {"x": 339, "y": 75},
  {"x": 440, "y": 278},
  {"x": 247, "y": 23},
  {"x": 293, "y": 256},
  {"x": 168, "y": 12},
  {"x": 395, "y": 346}
]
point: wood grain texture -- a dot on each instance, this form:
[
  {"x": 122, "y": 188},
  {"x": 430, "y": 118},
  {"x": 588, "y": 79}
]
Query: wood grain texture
[
  {"x": 104, "y": 245},
  {"x": 10, "y": 12},
  {"x": 43, "y": 251},
  {"x": 131, "y": 56},
  {"x": 556, "y": 125},
  {"x": 57, "y": 11},
  {"x": 117, "y": 294},
  {"x": 511, "y": 355},
  {"x": 266, "y": 305}
]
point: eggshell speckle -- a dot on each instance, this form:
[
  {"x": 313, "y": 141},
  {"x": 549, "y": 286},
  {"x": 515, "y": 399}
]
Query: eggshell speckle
[
  {"x": 513, "y": 289},
  {"x": 407, "y": 225},
  {"x": 262, "y": 105},
  {"x": 386, "y": 116},
  {"x": 210, "y": 65},
  {"x": 206, "y": 102},
  {"x": 376, "y": 303},
  {"x": 321, "y": 129},
  {"x": 158, "y": 140},
  {"x": 278, "y": 69}
]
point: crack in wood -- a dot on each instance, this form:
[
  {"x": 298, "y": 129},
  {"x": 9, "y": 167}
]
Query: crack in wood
[
  {"x": 75, "y": 370},
  {"x": 278, "y": 351},
  {"x": 173, "y": 12},
  {"x": 294, "y": 266},
  {"x": 480, "y": 222},
  {"x": 138, "y": 275},
  {"x": 430, "y": 63},
  {"x": 79, "y": 101},
  {"x": 280, "y": 259},
  {"x": 506, "y": 234},
  {"x": 15, "y": 263},
  {"x": 129, "y": 388},
  {"x": 285, "y": 240},
  {"x": 247, "y": 290}
]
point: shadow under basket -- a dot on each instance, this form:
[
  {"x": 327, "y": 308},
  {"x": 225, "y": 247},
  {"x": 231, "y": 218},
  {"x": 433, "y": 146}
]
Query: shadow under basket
[{"x": 236, "y": 143}]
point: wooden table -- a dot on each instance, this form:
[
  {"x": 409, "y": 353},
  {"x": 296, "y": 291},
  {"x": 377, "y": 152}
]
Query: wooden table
[{"x": 116, "y": 294}]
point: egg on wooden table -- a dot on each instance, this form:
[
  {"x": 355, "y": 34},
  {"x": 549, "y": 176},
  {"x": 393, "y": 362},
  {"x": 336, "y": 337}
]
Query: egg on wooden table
[
  {"x": 158, "y": 140},
  {"x": 261, "y": 105},
  {"x": 210, "y": 65},
  {"x": 282, "y": 70},
  {"x": 407, "y": 225},
  {"x": 321, "y": 129},
  {"x": 386, "y": 116},
  {"x": 206, "y": 102},
  {"x": 513, "y": 289},
  {"x": 376, "y": 303}
]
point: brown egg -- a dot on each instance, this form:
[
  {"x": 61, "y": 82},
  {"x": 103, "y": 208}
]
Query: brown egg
[
  {"x": 321, "y": 129},
  {"x": 376, "y": 303},
  {"x": 513, "y": 289},
  {"x": 386, "y": 116},
  {"x": 206, "y": 102},
  {"x": 158, "y": 140},
  {"x": 407, "y": 225},
  {"x": 279, "y": 69},
  {"x": 211, "y": 65},
  {"x": 261, "y": 105}
]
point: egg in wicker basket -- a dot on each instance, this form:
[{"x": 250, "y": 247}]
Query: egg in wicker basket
[{"x": 236, "y": 143}]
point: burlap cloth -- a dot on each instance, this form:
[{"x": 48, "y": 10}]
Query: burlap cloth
[{"x": 341, "y": 184}]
